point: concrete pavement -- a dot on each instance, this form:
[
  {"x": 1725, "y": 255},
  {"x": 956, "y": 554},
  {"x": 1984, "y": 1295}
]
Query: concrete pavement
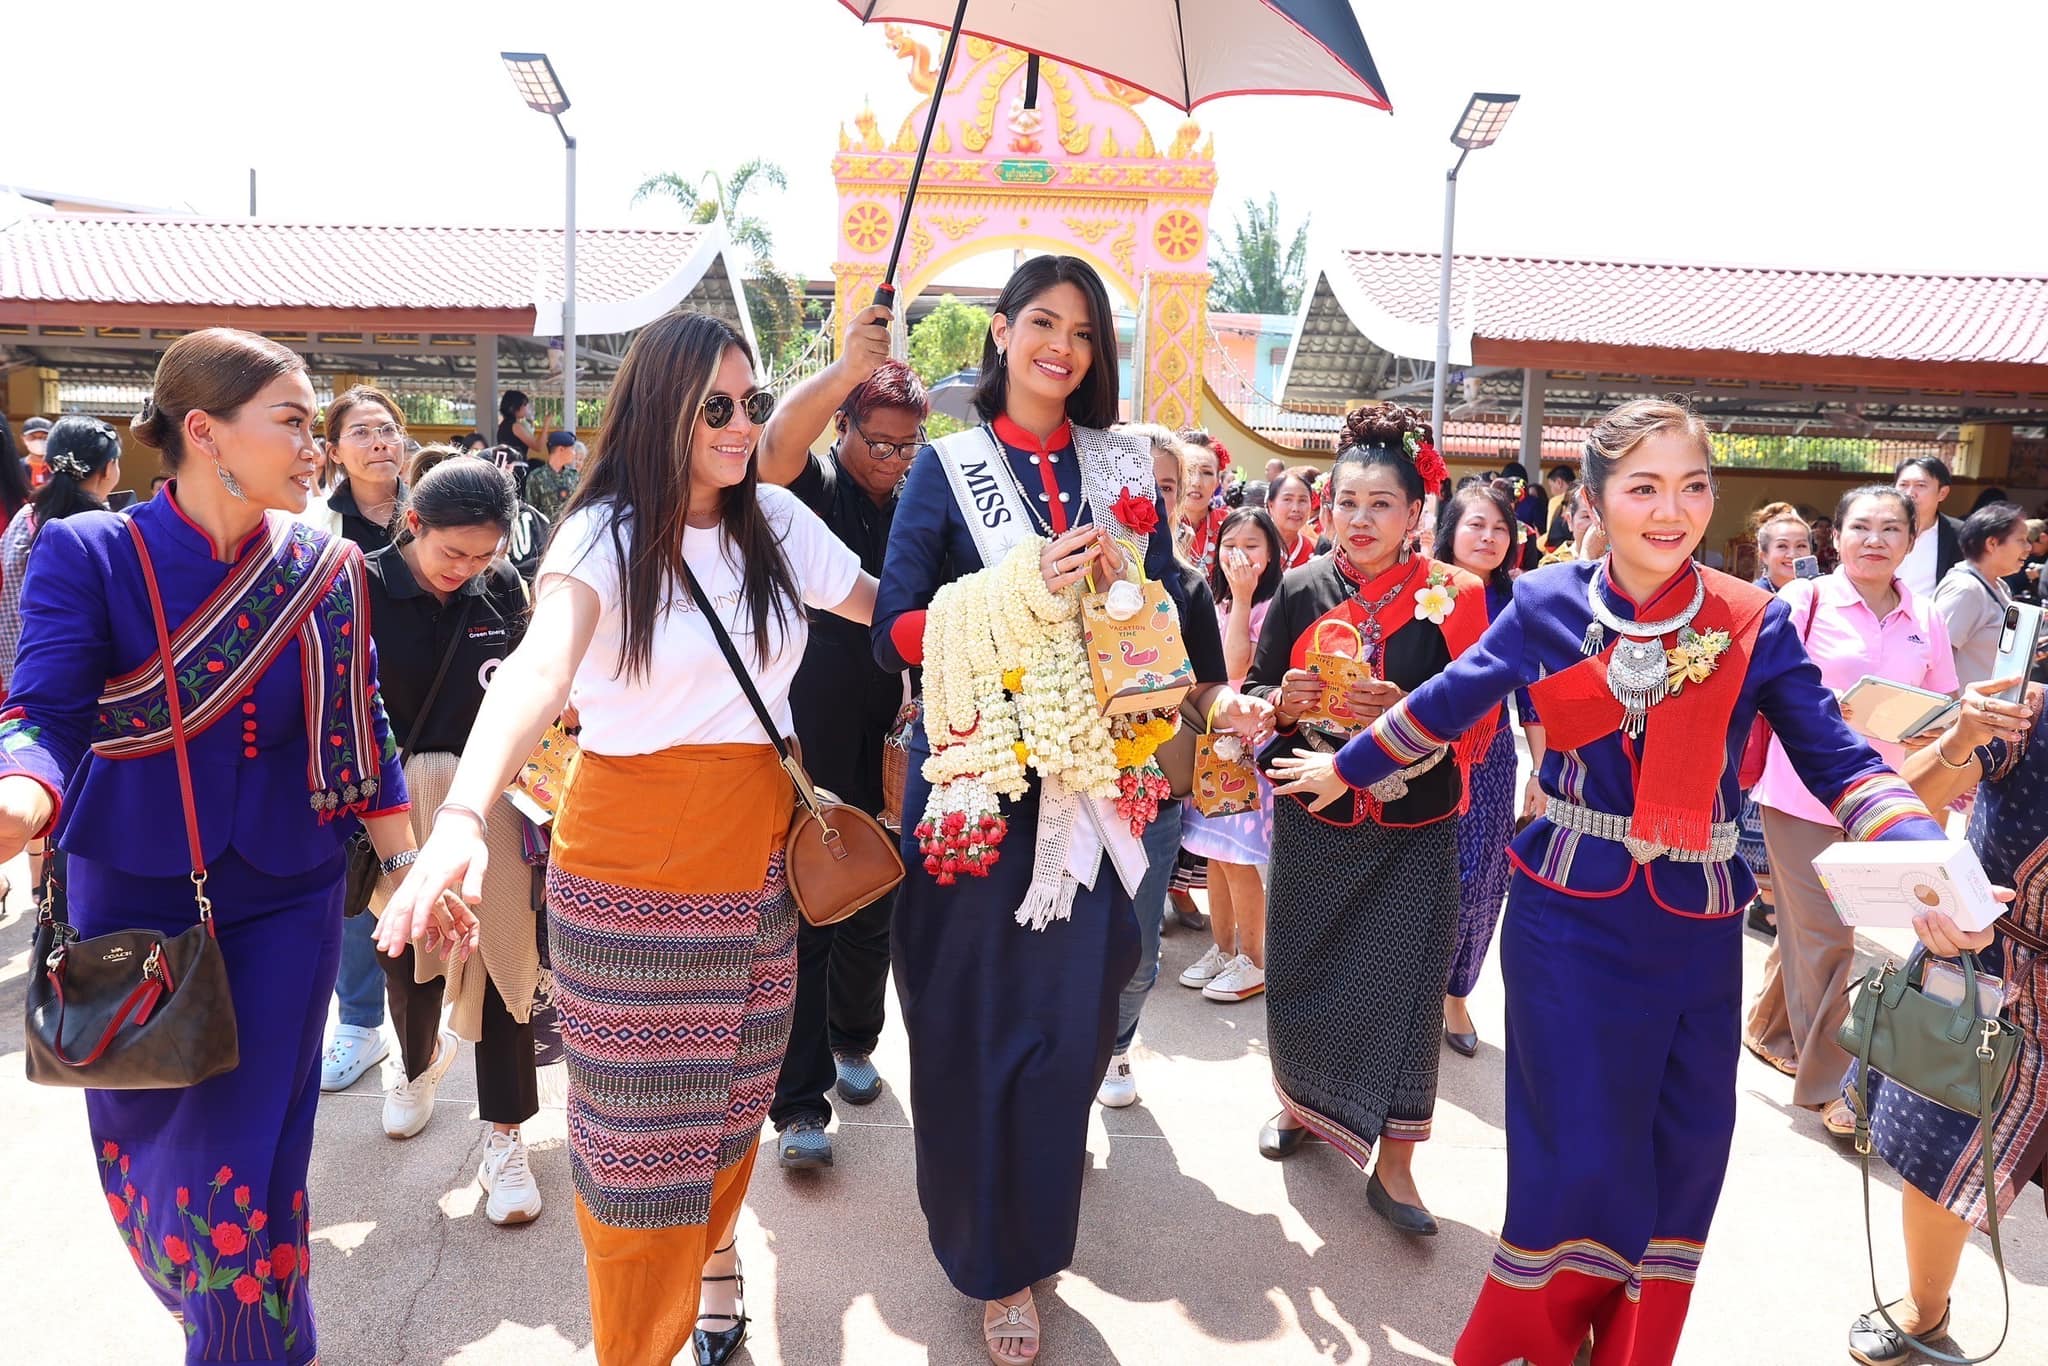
[{"x": 1192, "y": 1247}]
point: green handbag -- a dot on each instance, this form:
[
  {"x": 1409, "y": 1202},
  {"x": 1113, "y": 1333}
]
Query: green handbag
[{"x": 1952, "y": 1055}]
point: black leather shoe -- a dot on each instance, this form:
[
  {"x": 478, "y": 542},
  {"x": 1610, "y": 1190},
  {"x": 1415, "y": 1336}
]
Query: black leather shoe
[
  {"x": 1758, "y": 918},
  {"x": 1410, "y": 1219},
  {"x": 716, "y": 1346},
  {"x": 1467, "y": 1044},
  {"x": 1277, "y": 1143},
  {"x": 1874, "y": 1342}
]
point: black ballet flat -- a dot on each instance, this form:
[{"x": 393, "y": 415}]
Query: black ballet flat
[
  {"x": 716, "y": 1346},
  {"x": 1277, "y": 1144},
  {"x": 1466, "y": 1044},
  {"x": 1409, "y": 1219},
  {"x": 1874, "y": 1342},
  {"x": 1758, "y": 918}
]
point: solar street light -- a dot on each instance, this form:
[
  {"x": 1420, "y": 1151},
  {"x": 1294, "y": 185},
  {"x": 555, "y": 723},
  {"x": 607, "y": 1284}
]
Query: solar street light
[{"x": 1480, "y": 126}]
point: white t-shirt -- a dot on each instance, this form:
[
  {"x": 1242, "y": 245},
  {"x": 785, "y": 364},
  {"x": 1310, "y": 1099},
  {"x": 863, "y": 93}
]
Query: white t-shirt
[
  {"x": 1917, "y": 572},
  {"x": 688, "y": 695}
]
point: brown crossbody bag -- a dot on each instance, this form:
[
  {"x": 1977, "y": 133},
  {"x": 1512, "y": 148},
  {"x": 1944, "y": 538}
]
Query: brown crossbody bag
[{"x": 838, "y": 858}]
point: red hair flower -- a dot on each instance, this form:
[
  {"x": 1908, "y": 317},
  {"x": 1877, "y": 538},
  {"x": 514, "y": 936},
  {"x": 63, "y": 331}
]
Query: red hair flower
[
  {"x": 1430, "y": 465},
  {"x": 175, "y": 1249},
  {"x": 1137, "y": 512},
  {"x": 283, "y": 1258},
  {"x": 1222, "y": 455},
  {"x": 248, "y": 1289},
  {"x": 228, "y": 1239}
]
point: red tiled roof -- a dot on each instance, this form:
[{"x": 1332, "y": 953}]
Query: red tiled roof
[
  {"x": 254, "y": 264},
  {"x": 1756, "y": 310}
]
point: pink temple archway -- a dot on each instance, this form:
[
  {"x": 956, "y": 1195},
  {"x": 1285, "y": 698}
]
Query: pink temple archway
[{"x": 1081, "y": 175}]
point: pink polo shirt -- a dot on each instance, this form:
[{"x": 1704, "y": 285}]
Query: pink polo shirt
[{"x": 1846, "y": 641}]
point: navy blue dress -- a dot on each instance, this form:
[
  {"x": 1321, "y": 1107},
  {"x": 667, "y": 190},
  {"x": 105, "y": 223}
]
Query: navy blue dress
[{"x": 1010, "y": 1028}]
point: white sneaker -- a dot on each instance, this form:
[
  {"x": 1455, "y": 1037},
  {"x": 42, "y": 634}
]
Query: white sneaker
[
  {"x": 515, "y": 1195},
  {"x": 1205, "y": 968},
  {"x": 351, "y": 1051},
  {"x": 1119, "y": 1088},
  {"x": 1239, "y": 979},
  {"x": 410, "y": 1104}
]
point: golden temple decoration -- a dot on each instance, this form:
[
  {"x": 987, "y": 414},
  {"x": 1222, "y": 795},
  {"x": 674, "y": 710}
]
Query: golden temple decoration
[
  {"x": 922, "y": 77},
  {"x": 1184, "y": 141},
  {"x": 1124, "y": 248},
  {"x": 1089, "y": 230},
  {"x": 956, "y": 225}
]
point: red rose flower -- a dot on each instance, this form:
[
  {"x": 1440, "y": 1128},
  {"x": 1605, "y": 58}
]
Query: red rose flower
[
  {"x": 175, "y": 1249},
  {"x": 228, "y": 1239},
  {"x": 184, "y": 1196},
  {"x": 298, "y": 1201},
  {"x": 136, "y": 1253},
  {"x": 242, "y": 621},
  {"x": 241, "y": 1197},
  {"x": 257, "y": 1220},
  {"x": 1137, "y": 512},
  {"x": 118, "y": 1206},
  {"x": 145, "y": 1207},
  {"x": 128, "y": 1189},
  {"x": 109, "y": 1150},
  {"x": 124, "y": 1164},
  {"x": 1430, "y": 465},
  {"x": 248, "y": 1289},
  {"x": 191, "y": 1281},
  {"x": 214, "y": 666},
  {"x": 223, "y": 1176},
  {"x": 263, "y": 1268},
  {"x": 283, "y": 1258}
]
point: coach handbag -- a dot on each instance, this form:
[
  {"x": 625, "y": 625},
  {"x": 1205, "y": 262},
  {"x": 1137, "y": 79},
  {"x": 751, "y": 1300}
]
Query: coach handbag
[
  {"x": 838, "y": 858},
  {"x": 1955, "y": 1056},
  {"x": 133, "y": 1010}
]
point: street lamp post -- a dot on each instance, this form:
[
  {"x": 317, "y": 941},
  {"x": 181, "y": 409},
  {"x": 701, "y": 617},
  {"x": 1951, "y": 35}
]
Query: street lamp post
[
  {"x": 533, "y": 76},
  {"x": 1485, "y": 116}
]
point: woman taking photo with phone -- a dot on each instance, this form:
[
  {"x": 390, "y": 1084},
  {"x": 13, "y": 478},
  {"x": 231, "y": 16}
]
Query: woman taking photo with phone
[
  {"x": 1477, "y": 532},
  {"x": 1860, "y": 620},
  {"x": 1364, "y": 896},
  {"x": 237, "y": 792},
  {"x": 671, "y": 928},
  {"x": 1010, "y": 982},
  {"x": 447, "y": 610},
  {"x": 1621, "y": 949}
]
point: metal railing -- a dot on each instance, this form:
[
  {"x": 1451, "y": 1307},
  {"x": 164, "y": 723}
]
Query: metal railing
[
  {"x": 1262, "y": 412},
  {"x": 821, "y": 352}
]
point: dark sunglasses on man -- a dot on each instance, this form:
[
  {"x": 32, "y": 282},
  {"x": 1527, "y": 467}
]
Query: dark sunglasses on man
[
  {"x": 719, "y": 408},
  {"x": 888, "y": 450}
]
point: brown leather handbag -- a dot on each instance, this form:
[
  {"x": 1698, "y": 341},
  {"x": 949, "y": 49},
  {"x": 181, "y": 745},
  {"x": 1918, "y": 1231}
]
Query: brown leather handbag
[
  {"x": 838, "y": 858},
  {"x": 133, "y": 1010}
]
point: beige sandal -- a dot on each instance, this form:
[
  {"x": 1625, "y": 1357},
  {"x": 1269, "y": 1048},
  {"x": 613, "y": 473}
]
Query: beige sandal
[{"x": 1004, "y": 1322}]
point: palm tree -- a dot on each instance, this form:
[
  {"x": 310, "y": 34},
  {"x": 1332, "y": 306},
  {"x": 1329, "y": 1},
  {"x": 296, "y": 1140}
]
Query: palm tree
[
  {"x": 774, "y": 297},
  {"x": 1260, "y": 272}
]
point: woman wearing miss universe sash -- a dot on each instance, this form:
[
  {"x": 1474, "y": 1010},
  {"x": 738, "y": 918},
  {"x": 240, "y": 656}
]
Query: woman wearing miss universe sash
[{"x": 1621, "y": 948}]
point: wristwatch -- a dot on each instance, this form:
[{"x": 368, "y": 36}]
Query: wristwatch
[{"x": 404, "y": 858}]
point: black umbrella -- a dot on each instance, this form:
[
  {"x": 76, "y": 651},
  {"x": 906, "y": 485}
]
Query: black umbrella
[{"x": 1184, "y": 52}]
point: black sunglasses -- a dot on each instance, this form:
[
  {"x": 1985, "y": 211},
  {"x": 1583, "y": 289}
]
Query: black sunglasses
[{"x": 719, "y": 408}]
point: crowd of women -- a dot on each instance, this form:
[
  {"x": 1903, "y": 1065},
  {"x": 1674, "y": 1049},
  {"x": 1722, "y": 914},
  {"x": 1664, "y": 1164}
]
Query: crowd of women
[{"x": 1360, "y": 894}]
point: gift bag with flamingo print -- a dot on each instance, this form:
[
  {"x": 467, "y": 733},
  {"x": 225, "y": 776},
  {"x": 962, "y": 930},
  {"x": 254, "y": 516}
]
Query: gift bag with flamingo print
[
  {"x": 1135, "y": 652},
  {"x": 1337, "y": 656},
  {"x": 1226, "y": 779}
]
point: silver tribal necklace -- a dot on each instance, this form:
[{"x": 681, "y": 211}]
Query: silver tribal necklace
[{"x": 1637, "y": 673}]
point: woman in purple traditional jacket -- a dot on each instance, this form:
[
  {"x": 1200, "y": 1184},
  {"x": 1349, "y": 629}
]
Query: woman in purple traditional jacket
[{"x": 289, "y": 744}]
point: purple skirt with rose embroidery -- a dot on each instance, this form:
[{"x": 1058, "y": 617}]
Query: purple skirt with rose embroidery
[{"x": 207, "y": 1185}]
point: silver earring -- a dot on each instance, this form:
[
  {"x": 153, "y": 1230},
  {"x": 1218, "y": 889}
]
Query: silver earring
[
  {"x": 1002, "y": 359},
  {"x": 227, "y": 481}
]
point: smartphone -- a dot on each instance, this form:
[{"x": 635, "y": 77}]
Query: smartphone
[
  {"x": 1806, "y": 567},
  {"x": 2019, "y": 643}
]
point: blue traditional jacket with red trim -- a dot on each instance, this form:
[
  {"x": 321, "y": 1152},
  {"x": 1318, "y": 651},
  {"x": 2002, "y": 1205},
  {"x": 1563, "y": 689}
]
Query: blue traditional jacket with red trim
[
  {"x": 1540, "y": 635},
  {"x": 274, "y": 761}
]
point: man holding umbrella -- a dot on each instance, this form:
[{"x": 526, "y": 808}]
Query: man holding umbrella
[{"x": 843, "y": 707}]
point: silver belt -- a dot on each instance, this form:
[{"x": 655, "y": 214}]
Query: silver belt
[{"x": 1603, "y": 825}]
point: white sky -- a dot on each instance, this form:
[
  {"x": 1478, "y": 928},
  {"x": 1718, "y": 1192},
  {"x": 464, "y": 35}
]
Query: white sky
[{"x": 1822, "y": 133}]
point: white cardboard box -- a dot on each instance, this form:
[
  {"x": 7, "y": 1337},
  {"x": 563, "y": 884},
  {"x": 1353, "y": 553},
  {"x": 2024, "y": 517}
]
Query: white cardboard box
[{"x": 1886, "y": 883}]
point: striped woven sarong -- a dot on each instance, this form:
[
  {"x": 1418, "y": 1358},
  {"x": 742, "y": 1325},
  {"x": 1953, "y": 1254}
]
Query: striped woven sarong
[{"x": 673, "y": 938}]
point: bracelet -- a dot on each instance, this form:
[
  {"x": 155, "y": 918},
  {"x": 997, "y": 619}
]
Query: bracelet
[
  {"x": 1950, "y": 764},
  {"x": 459, "y": 809},
  {"x": 404, "y": 858},
  {"x": 1215, "y": 705}
]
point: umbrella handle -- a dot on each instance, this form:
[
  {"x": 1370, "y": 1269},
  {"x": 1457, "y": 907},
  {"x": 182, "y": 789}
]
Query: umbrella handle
[{"x": 885, "y": 295}]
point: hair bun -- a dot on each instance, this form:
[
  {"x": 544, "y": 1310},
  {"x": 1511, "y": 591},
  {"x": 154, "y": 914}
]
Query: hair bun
[{"x": 1384, "y": 424}]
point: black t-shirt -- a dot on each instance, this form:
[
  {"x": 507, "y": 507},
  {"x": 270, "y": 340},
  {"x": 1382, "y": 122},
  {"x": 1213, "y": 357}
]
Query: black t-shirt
[
  {"x": 413, "y": 630},
  {"x": 371, "y": 536},
  {"x": 841, "y": 702}
]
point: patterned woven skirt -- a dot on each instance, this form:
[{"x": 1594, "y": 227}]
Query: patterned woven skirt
[
  {"x": 673, "y": 938},
  {"x": 1483, "y": 868},
  {"x": 1359, "y": 927}
]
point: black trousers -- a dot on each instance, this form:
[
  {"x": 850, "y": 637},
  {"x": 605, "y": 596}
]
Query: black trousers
[
  {"x": 842, "y": 982},
  {"x": 506, "y": 1089}
]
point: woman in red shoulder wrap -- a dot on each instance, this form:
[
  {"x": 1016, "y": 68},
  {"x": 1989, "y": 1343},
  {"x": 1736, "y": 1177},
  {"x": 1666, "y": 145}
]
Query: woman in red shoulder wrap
[{"x": 1622, "y": 948}]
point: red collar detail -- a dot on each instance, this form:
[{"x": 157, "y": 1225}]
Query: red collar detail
[
  {"x": 170, "y": 495},
  {"x": 1381, "y": 583},
  {"x": 1010, "y": 434}
]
